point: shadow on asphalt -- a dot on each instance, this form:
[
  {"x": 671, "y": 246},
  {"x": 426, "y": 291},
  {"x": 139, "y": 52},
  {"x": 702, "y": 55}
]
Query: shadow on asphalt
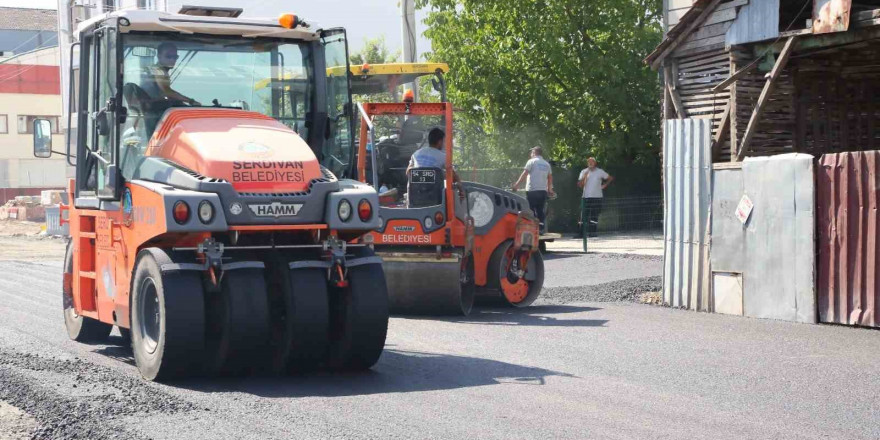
[
  {"x": 561, "y": 255},
  {"x": 535, "y": 316},
  {"x": 119, "y": 349},
  {"x": 398, "y": 371}
]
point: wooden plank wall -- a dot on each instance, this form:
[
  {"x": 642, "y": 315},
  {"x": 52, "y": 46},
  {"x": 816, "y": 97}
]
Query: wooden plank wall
[
  {"x": 775, "y": 131},
  {"x": 674, "y": 10},
  {"x": 700, "y": 63},
  {"x": 712, "y": 33},
  {"x": 697, "y": 75},
  {"x": 837, "y": 101}
]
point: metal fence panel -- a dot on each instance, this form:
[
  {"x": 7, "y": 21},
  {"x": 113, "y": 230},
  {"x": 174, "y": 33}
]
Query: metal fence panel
[
  {"x": 728, "y": 233},
  {"x": 53, "y": 222},
  {"x": 847, "y": 202},
  {"x": 779, "y": 272},
  {"x": 687, "y": 193}
]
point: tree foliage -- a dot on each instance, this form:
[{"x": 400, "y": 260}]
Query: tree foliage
[
  {"x": 567, "y": 74},
  {"x": 374, "y": 51}
]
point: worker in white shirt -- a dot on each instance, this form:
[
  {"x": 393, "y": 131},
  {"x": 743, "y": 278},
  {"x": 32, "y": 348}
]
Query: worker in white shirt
[
  {"x": 593, "y": 180},
  {"x": 539, "y": 183}
]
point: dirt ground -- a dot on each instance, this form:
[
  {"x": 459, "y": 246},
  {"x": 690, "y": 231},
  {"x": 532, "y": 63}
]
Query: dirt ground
[
  {"x": 17, "y": 425},
  {"x": 22, "y": 241}
]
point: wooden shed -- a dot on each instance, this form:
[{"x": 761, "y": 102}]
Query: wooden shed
[
  {"x": 783, "y": 236},
  {"x": 775, "y": 76}
]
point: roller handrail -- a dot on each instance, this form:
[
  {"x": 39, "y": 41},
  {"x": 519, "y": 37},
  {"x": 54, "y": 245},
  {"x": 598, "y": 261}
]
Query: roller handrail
[{"x": 375, "y": 150}]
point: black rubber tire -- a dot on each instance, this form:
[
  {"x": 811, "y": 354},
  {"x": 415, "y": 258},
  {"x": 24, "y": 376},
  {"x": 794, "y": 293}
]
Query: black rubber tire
[
  {"x": 496, "y": 264},
  {"x": 237, "y": 331},
  {"x": 172, "y": 346},
  {"x": 300, "y": 316},
  {"x": 79, "y": 328},
  {"x": 358, "y": 318}
]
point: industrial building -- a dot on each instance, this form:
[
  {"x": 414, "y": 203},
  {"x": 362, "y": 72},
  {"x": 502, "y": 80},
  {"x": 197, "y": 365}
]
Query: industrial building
[{"x": 29, "y": 88}]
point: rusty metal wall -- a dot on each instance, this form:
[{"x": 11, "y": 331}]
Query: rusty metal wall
[
  {"x": 847, "y": 202},
  {"x": 687, "y": 196}
]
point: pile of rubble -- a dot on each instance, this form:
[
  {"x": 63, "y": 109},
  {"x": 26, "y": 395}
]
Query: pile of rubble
[{"x": 30, "y": 208}]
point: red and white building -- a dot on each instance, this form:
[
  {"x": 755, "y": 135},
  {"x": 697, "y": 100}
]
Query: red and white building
[{"x": 30, "y": 87}]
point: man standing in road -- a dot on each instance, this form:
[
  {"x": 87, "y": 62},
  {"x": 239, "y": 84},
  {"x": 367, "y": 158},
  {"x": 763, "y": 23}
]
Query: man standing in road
[
  {"x": 539, "y": 183},
  {"x": 593, "y": 180}
]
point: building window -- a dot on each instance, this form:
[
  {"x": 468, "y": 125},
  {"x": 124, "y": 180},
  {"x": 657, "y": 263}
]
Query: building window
[
  {"x": 26, "y": 124},
  {"x": 4, "y": 124}
]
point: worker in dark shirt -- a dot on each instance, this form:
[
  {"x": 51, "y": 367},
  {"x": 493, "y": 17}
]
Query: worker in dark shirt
[{"x": 157, "y": 81}]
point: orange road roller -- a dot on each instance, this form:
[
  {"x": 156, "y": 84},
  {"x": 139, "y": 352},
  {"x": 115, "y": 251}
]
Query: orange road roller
[
  {"x": 443, "y": 242},
  {"x": 213, "y": 219}
]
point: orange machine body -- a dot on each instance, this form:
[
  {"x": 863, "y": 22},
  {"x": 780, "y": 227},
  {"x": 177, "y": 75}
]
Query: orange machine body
[
  {"x": 208, "y": 142},
  {"x": 409, "y": 232},
  {"x": 250, "y": 150}
]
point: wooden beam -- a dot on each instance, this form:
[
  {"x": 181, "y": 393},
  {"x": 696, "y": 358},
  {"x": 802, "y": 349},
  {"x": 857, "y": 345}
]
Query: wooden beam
[
  {"x": 669, "y": 79},
  {"x": 734, "y": 123},
  {"x": 765, "y": 94},
  {"x": 685, "y": 33},
  {"x": 723, "y": 132},
  {"x": 668, "y": 111},
  {"x": 727, "y": 82}
]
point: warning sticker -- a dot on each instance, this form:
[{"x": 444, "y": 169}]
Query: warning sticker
[
  {"x": 268, "y": 171},
  {"x": 744, "y": 209}
]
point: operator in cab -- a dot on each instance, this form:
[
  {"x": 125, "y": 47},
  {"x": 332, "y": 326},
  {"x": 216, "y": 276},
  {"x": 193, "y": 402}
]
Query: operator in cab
[
  {"x": 157, "y": 81},
  {"x": 433, "y": 156}
]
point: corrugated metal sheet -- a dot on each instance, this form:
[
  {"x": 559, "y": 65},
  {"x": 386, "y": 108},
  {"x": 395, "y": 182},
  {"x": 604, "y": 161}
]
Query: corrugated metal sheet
[
  {"x": 847, "y": 201},
  {"x": 780, "y": 260},
  {"x": 687, "y": 177},
  {"x": 774, "y": 249},
  {"x": 756, "y": 21},
  {"x": 53, "y": 222},
  {"x": 728, "y": 233}
]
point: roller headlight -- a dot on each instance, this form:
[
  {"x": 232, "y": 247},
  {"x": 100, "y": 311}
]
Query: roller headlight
[
  {"x": 206, "y": 212},
  {"x": 344, "y": 210},
  {"x": 481, "y": 208}
]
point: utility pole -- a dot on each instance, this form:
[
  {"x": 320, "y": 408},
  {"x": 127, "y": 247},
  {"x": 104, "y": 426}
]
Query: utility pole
[{"x": 408, "y": 26}]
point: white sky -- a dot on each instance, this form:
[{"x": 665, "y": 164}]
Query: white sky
[{"x": 361, "y": 18}]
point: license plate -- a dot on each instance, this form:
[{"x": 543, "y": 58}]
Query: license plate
[{"x": 423, "y": 176}]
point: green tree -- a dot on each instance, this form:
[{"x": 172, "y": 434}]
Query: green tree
[
  {"x": 566, "y": 74},
  {"x": 375, "y": 51}
]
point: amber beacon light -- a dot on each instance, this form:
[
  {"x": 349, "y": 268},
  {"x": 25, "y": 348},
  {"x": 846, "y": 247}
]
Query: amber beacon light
[{"x": 289, "y": 21}]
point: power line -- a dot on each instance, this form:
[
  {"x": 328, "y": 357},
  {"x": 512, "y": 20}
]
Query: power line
[{"x": 39, "y": 33}]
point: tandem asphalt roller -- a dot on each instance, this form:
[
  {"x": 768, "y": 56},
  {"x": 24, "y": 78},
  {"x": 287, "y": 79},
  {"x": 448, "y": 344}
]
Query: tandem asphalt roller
[{"x": 443, "y": 243}]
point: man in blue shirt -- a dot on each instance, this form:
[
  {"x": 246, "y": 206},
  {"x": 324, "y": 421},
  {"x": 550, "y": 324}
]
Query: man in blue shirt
[{"x": 433, "y": 156}]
